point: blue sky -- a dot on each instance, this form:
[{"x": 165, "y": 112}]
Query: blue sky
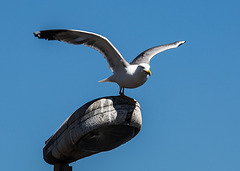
[{"x": 190, "y": 104}]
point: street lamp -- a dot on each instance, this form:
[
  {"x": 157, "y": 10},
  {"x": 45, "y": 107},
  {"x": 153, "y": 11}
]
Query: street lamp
[{"x": 100, "y": 125}]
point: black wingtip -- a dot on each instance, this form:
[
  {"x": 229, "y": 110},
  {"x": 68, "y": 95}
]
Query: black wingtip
[
  {"x": 36, "y": 34},
  {"x": 182, "y": 42},
  {"x": 45, "y": 34},
  {"x": 48, "y": 34}
]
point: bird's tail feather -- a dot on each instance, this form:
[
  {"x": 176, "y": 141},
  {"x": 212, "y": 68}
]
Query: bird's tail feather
[{"x": 105, "y": 80}]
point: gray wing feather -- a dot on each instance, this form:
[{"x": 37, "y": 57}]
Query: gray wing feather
[
  {"x": 95, "y": 41},
  {"x": 147, "y": 55}
]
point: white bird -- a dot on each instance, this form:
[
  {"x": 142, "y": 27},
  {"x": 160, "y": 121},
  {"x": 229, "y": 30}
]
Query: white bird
[{"x": 126, "y": 75}]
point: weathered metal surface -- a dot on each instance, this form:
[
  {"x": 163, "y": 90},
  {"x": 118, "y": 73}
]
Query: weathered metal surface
[{"x": 100, "y": 125}]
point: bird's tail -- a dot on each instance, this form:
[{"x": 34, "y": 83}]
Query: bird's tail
[
  {"x": 109, "y": 79},
  {"x": 105, "y": 80}
]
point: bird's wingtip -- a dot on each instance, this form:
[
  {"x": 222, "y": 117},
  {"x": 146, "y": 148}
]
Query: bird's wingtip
[
  {"x": 36, "y": 33},
  {"x": 181, "y": 42}
]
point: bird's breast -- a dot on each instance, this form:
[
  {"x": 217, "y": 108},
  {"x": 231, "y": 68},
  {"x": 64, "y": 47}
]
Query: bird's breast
[{"x": 131, "y": 79}]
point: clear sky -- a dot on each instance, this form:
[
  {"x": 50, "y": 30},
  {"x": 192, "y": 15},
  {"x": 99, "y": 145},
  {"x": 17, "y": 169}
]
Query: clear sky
[{"x": 190, "y": 104}]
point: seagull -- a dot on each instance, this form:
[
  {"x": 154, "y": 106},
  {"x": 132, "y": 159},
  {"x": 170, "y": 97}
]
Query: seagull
[{"x": 126, "y": 75}]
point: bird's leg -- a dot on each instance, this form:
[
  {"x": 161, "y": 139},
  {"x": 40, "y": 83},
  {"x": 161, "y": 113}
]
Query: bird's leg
[{"x": 121, "y": 92}]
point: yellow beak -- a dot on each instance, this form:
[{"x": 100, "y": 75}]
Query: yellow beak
[{"x": 148, "y": 72}]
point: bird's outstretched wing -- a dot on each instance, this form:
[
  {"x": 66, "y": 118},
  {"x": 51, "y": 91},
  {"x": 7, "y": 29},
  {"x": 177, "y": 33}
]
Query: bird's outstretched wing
[
  {"x": 147, "y": 55},
  {"x": 98, "y": 42}
]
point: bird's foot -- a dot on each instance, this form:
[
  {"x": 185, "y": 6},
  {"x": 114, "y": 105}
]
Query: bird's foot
[
  {"x": 131, "y": 100},
  {"x": 121, "y": 94}
]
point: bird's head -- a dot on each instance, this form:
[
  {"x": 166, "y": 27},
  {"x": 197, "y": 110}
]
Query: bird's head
[{"x": 145, "y": 68}]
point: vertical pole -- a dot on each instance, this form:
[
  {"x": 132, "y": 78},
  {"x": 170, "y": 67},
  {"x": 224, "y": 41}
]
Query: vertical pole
[{"x": 62, "y": 167}]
